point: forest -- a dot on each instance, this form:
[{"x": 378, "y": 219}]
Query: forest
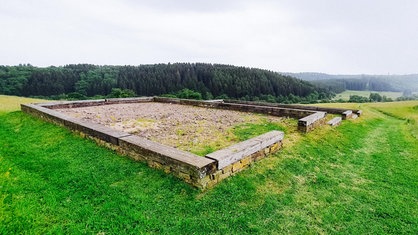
[
  {"x": 185, "y": 80},
  {"x": 338, "y": 83}
]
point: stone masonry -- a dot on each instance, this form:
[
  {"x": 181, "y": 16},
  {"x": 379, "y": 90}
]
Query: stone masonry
[{"x": 202, "y": 172}]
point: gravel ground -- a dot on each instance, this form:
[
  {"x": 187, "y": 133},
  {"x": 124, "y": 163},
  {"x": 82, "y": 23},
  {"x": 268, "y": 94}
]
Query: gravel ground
[{"x": 185, "y": 127}]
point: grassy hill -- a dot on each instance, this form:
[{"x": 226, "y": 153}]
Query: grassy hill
[{"x": 360, "y": 177}]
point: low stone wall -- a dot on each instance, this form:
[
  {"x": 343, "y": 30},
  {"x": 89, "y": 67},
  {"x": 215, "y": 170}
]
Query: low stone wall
[
  {"x": 86, "y": 103},
  {"x": 243, "y": 107},
  {"x": 312, "y": 121},
  {"x": 347, "y": 114},
  {"x": 186, "y": 166},
  {"x": 199, "y": 103},
  {"x": 335, "y": 121},
  {"x": 254, "y": 107},
  {"x": 265, "y": 145},
  {"x": 237, "y": 152},
  {"x": 296, "y": 106},
  {"x": 201, "y": 172},
  {"x": 298, "y": 112},
  {"x": 280, "y": 112}
]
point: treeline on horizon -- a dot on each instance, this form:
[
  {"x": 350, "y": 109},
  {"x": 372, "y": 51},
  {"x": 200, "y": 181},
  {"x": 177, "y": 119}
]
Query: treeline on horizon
[
  {"x": 206, "y": 81},
  {"x": 340, "y": 85},
  {"x": 407, "y": 83}
]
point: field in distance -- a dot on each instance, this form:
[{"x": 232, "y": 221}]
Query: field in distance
[{"x": 346, "y": 94}]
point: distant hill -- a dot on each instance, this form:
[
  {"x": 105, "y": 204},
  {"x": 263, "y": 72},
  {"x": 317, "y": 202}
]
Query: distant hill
[
  {"x": 79, "y": 81},
  {"x": 399, "y": 83}
]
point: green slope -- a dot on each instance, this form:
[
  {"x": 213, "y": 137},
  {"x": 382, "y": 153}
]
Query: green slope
[{"x": 357, "y": 178}]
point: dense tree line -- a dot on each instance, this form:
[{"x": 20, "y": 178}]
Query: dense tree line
[
  {"x": 390, "y": 82},
  {"x": 340, "y": 85},
  {"x": 209, "y": 80}
]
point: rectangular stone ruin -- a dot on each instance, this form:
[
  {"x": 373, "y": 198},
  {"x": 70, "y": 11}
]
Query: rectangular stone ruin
[{"x": 201, "y": 172}]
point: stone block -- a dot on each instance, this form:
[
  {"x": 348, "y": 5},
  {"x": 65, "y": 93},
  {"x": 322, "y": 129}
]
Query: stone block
[
  {"x": 128, "y": 100},
  {"x": 266, "y": 151},
  {"x": 347, "y": 114},
  {"x": 227, "y": 169},
  {"x": 155, "y": 165},
  {"x": 247, "y": 160},
  {"x": 258, "y": 155},
  {"x": 237, "y": 166},
  {"x": 275, "y": 147},
  {"x": 183, "y": 175},
  {"x": 211, "y": 184},
  {"x": 234, "y": 153},
  {"x": 335, "y": 121},
  {"x": 167, "y": 169},
  {"x": 307, "y": 123},
  {"x": 215, "y": 176}
]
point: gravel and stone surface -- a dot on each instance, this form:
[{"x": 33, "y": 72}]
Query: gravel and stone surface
[{"x": 185, "y": 127}]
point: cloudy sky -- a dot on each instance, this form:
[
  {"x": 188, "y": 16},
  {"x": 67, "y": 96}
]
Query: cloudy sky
[{"x": 332, "y": 36}]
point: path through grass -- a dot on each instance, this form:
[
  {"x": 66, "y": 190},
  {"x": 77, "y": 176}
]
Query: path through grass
[{"x": 357, "y": 178}]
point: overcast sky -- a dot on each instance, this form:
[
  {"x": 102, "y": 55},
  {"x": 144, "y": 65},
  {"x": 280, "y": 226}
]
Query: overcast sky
[{"x": 332, "y": 36}]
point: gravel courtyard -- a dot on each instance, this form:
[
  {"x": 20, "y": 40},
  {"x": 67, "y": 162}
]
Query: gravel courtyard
[{"x": 185, "y": 127}]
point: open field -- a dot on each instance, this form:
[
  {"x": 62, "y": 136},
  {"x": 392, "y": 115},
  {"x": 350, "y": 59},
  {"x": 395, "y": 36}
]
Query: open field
[
  {"x": 12, "y": 103},
  {"x": 346, "y": 94},
  {"x": 357, "y": 178}
]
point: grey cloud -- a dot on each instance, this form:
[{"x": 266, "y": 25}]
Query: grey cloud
[{"x": 325, "y": 35}]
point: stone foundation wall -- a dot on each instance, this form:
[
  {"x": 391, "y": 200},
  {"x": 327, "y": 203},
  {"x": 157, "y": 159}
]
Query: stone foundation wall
[
  {"x": 256, "y": 107},
  {"x": 201, "y": 172},
  {"x": 243, "y": 107},
  {"x": 281, "y": 110},
  {"x": 296, "y": 106},
  {"x": 86, "y": 103}
]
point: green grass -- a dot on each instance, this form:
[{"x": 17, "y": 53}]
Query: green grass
[
  {"x": 217, "y": 139},
  {"x": 238, "y": 133},
  {"x": 358, "y": 178},
  {"x": 249, "y": 130},
  {"x": 407, "y": 112},
  {"x": 346, "y": 94}
]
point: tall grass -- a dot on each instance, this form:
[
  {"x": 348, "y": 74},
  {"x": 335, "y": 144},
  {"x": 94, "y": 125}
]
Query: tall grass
[{"x": 12, "y": 103}]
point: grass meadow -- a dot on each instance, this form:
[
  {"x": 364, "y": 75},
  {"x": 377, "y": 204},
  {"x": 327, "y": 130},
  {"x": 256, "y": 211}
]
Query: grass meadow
[
  {"x": 346, "y": 94},
  {"x": 357, "y": 178}
]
